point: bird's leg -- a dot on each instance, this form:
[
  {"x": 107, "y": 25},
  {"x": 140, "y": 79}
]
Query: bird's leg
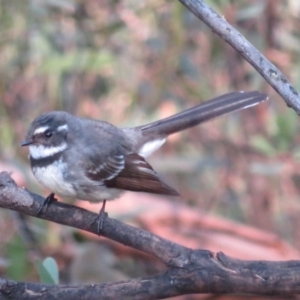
[
  {"x": 46, "y": 202},
  {"x": 101, "y": 217}
]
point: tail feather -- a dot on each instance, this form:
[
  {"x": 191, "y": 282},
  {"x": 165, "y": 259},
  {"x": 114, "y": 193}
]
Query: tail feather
[{"x": 203, "y": 112}]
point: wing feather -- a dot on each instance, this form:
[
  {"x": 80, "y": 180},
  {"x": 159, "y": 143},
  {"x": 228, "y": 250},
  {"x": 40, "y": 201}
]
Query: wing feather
[
  {"x": 137, "y": 175},
  {"x": 108, "y": 169}
]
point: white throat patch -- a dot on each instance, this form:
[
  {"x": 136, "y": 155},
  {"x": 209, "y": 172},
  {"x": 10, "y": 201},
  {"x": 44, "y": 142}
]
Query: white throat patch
[{"x": 40, "y": 151}]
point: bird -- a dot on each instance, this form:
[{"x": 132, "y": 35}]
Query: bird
[{"x": 93, "y": 160}]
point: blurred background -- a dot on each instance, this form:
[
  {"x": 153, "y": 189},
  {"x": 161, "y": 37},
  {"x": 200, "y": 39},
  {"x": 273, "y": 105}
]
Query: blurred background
[{"x": 132, "y": 62}]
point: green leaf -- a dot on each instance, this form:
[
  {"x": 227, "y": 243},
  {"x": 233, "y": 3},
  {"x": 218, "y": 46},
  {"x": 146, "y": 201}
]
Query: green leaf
[
  {"x": 80, "y": 61},
  {"x": 19, "y": 266},
  {"x": 287, "y": 129},
  {"x": 48, "y": 271},
  {"x": 262, "y": 144}
]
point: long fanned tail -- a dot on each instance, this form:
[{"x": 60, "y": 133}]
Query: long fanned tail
[
  {"x": 138, "y": 175},
  {"x": 203, "y": 112}
]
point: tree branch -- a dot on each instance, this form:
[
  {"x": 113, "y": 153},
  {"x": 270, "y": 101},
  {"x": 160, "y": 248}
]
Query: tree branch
[
  {"x": 189, "y": 271},
  {"x": 23, "y": 201},
  {"x": 263, "y": 66}
]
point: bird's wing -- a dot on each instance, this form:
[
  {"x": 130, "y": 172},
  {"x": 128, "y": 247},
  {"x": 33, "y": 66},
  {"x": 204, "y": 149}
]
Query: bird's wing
[
  {"x": 111, "y": 160},
  {"x": 132, "y": 173},
  {"x": 139, "y": 176},
  {"x": 102, "y": 171},
  {"x": 102, "y": 150}
]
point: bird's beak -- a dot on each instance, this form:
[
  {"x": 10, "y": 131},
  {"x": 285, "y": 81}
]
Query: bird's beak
[{"x": 26, "y": 143}]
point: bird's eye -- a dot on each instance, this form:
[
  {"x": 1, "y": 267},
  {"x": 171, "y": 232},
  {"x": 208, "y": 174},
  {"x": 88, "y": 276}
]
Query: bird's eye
[{"x": 48, "y": 133}]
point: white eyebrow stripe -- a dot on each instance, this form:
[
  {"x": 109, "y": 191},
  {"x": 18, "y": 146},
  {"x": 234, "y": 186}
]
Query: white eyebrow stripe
[
  {"x": 40, "y": 130},
  {"x": 63, "y": 127},
  {"x": 40, "y": 151}
]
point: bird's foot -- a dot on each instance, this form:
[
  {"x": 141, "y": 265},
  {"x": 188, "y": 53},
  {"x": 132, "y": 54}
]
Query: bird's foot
[
  {"x": 50, "y": 198},
  {"x": 101, "y": 218}
]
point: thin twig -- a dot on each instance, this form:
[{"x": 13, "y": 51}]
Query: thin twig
[{"x": 268, "y": 71}]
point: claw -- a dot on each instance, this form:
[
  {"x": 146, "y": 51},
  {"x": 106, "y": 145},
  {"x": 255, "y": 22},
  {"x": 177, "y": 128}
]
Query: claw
[
  {"x": 101, "y": 218},
  {"x": 46, "y": 202}
]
